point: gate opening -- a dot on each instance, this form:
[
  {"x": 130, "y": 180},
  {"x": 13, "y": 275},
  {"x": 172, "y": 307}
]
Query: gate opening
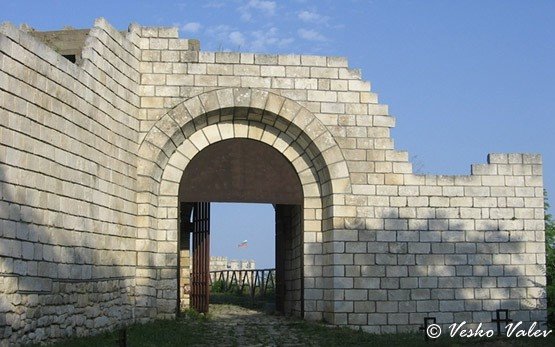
[
  {"x": 244, "y": 171},
  {"x": 262, "y": 246}
]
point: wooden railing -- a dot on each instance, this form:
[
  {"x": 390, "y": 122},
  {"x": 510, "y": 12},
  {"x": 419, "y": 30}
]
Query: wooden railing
[{"x": 230, "y": 280}]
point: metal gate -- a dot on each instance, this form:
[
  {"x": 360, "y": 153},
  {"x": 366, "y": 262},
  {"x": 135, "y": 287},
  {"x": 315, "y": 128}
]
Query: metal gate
[{"x": 200, "y": 276}]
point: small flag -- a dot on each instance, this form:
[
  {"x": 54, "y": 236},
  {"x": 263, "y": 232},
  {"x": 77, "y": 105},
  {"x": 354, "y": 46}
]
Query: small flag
[{"x": 243, "y": 244}]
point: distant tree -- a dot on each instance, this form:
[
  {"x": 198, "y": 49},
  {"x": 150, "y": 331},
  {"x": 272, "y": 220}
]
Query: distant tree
[{"x": 550, "y": 261}]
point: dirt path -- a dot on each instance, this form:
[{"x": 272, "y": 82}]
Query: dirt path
[{"x": 231, "y": 325}]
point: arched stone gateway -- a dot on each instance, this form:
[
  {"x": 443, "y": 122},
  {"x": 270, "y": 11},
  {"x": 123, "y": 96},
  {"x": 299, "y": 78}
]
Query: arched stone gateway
[
  {"x": 93, "y": 152},
  {"x": 254, "y": 114}
]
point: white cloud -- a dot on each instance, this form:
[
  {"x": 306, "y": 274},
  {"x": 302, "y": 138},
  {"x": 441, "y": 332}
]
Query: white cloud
[
  {"x": 237, "y": 38},
  {"x": 227, "y": 37},
  {"x": 245, "y": 15},
  {"x": 311, "y": 35},
  {"x": 219, "y": 32},
  {"x": 312, "y": 17},
  {"x": 268, "y": 38},
  {"x": 267, "y": 8},
  {"x": 214, "y": 4},
  {"x": 191, "y": 27}
]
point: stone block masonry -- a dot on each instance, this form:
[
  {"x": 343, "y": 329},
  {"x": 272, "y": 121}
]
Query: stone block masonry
[{"x": 91, "y": 157}]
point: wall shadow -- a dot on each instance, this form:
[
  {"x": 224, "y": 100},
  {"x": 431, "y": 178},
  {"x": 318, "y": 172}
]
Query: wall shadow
[
  {"x": 61, "y": 273},
  {"x": 439, "y": 267}
]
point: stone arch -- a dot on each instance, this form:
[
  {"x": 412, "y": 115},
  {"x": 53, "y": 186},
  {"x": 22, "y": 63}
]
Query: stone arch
[
  {"x": 234, "y": 113},
  {"x": 239, "y": 105}
]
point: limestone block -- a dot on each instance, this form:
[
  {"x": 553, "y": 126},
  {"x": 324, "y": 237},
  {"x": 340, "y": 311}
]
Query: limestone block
[
  {"x": 528, "y": 158},
  {"x": 533, "y": 181},
  {"x": 372, "y": 100},
  {"x": 228, "y": 57},
  {"x": 150, "y": 55},
  {"x": 357, "y": 85},
  {"x": 212, "y": 134},
  {"x": 357, "y": 319},
  {"x": 327, "y": 72},
  {"x": 325, "y": 96},
  {"x": 343, "y": 306},
  {"x": 179, "y": 79},
  {"x": 274, "y": 103},
  {"x": 37, "y": 284},
  {"x": 339, "y": 85},
  {"x": 377, "y": 319},
  {"x": 228, "y": 81},
  {"x": 178, "y": 44},
  {"x": 493, "y": 180},
  {"x": 498, "y": 158},
  {"x": 219, "y": 69},
  {"x": 205, "y": 57},
  {"x": 337, "y": 61},
  {"x": 158, "y": 43},
  {"x": 312, "y": 60},
  {"x": 272, "y": 71},
  {"x": 206, "y": 80},
  {"x": 484, "y": 169}
]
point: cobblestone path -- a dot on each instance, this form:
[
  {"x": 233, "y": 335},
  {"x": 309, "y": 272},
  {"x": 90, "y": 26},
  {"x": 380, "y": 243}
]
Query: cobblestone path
[{"x": 231, "y": 325}]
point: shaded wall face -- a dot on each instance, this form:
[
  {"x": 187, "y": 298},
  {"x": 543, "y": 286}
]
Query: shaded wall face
[
  {"x": 289, "y": 257},
  {"x": 294, "y": 263},
  {"x": 452, "y": 247},
  {"x": 68, "y": 146}
]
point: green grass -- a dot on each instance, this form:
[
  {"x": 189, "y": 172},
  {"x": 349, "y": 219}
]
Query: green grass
[
  {"x": 188, "y": 332},
  {"x": 194, "y": 329}
]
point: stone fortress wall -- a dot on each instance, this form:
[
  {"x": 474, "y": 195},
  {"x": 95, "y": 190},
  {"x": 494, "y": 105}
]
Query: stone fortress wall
[
  {"x": 224, "y": 263},
  {"x": 91, "y": 156}
]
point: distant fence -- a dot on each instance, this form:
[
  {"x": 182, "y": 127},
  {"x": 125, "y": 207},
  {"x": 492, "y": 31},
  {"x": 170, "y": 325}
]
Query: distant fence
[{"x": 263, "y": 279}]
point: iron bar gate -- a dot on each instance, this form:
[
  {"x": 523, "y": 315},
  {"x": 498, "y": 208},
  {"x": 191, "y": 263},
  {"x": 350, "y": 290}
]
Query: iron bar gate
[{"x": 200, "y": 276}]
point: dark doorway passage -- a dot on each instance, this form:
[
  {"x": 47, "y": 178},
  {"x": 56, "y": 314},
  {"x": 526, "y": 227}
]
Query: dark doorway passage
[{"x": 240, "y": 170}]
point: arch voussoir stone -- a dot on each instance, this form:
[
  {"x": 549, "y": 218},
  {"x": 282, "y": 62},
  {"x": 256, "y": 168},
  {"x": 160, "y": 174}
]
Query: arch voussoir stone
[
  {"x": 169, "y": 126},
  {"x": 241, "y": 97},
  {"x": 274, "y": 103},
  {"x": 209, "y": 103},
  {"x": 160, "y": 140},
  {"x": 258, "y": 99},
  {"x": 194, "y": 107},
  {"x": 224, "y": 97},
  {"x": 180, "y": 114},
  {"x": 289, "y": 110}
]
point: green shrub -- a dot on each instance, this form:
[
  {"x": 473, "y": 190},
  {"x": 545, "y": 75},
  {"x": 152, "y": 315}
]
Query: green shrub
[{"x": 218, "y": 287}]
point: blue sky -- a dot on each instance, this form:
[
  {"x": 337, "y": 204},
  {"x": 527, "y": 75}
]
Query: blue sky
[{"x": 463, "y": 78}]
